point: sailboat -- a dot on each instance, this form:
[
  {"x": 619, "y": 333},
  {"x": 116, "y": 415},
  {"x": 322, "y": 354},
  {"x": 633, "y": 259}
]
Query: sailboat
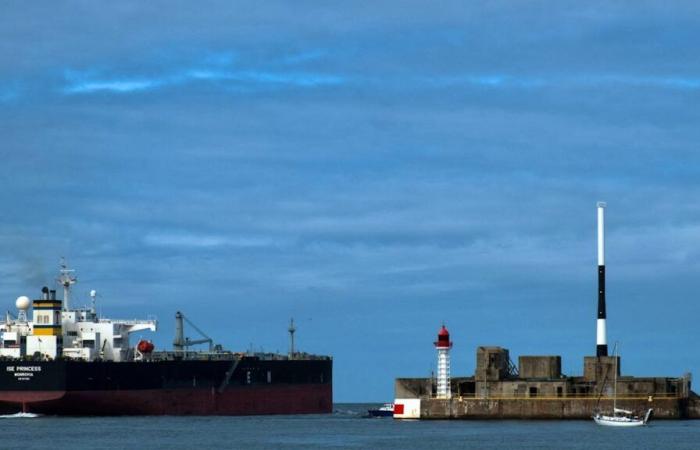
[{"x": 620, "y": 417}]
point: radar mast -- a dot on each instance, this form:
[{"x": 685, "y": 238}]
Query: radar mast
[{"x": 67, "y": 279}]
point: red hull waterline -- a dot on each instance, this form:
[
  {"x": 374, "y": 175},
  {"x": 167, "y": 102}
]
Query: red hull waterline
[{"x": 251, "y": 400}]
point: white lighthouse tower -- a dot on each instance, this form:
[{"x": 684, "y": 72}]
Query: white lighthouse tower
[{"x": 443, "y": 346}]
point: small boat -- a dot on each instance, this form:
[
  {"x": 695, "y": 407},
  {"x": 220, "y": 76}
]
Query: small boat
[
  {"x": 620, "y": 417},
  {"x": 386, "y": 410}
]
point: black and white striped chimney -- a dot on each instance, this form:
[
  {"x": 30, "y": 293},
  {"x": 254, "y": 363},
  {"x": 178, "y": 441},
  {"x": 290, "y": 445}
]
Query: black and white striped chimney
[{"x": 601, "y": 338}]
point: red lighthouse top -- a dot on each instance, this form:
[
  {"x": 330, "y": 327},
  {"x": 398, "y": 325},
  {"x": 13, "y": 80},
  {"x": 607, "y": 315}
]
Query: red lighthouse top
[{"x": 443, "y": 338}]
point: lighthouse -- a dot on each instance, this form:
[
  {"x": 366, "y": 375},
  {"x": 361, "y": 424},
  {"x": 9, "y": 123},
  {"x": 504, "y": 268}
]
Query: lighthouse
[{"x": 443, "y": 346}]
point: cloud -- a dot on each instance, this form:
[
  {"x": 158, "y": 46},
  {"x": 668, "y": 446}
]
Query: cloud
[
  {"x": 79, "y": 84},
  {"x": 299, "y": 79},
  {"x": 486, "y": 80},
  {"x": 119, "y": 86},
  {"x": 216, "y": 67},
  {"x": 260, "y": 79},
  {"x": 203, "y": 241},
  {"x": 670, "y": 82},
  {"x": 564, "y": 81}
]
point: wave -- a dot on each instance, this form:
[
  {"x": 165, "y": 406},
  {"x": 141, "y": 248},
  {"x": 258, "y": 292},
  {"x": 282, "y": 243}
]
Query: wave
[
  {"x": 19, "y": 415},
  {"x": 348, "y": 412}
]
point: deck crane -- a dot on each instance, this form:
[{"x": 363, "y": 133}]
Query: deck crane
[{"x": 181, "y": 343}]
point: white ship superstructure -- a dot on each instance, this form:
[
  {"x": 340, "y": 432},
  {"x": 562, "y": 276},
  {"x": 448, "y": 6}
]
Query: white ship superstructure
[{"x": 56, "y": 330}]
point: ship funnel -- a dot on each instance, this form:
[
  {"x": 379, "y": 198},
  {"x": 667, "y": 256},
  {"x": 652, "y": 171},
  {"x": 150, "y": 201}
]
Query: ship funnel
[
  {"x": 601, "y": 338},
  {"x": 44, "y": 293}
]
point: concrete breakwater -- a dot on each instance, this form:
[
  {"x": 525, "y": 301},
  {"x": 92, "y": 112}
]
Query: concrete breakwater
[
  {"x": 536, "y": 389},
  {"x": 548, "y": 408}
]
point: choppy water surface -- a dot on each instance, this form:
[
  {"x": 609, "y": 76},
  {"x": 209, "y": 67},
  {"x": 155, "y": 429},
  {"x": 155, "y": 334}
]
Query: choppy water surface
[{"x": 346, "y": 428}]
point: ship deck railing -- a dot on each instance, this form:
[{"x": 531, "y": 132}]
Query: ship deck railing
[
  {"x": 129, "y": 321},
  {"x": 227, "y": 355}
]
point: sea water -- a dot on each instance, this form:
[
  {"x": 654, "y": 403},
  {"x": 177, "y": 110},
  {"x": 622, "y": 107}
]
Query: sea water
[{"x": 346, "y": 428}]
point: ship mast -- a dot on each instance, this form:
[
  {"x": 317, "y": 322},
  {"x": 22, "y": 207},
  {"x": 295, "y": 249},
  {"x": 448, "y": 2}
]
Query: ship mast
[
  {"x": 291, "y": 330},
  {"x": 67, "y": 279}
]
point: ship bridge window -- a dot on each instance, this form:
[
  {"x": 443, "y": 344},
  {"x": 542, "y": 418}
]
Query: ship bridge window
[
  {"x": 72, "y": 333},
  {"x": 533, "y": 392}
]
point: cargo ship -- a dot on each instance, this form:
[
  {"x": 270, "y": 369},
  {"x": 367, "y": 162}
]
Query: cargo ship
[{"x": 71, "y": 361}]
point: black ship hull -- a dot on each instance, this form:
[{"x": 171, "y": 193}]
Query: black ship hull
[{"x": 176, "y": 387}]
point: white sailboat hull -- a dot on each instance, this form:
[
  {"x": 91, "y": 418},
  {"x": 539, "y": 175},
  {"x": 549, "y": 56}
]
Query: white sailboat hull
[
  {"x": 622, "y": 421},
  {"x": 618, "y": 421}
]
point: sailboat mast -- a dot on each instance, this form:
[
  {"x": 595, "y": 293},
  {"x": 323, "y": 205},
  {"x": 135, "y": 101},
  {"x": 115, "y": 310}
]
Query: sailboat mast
[
  {"x": 615, "y": 379},
  {"x": 615, "y": 387}
]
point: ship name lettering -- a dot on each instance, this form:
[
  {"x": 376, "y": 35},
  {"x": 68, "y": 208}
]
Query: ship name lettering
[{"x": 28, "y": 368}]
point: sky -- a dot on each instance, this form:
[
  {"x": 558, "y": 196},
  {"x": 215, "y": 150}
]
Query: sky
[{"x": 371, "y": 169}]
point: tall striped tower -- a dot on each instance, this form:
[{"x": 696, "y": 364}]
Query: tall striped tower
[
  {"x": 443, "y": 346},
  {"x": 601, "y": 338}
]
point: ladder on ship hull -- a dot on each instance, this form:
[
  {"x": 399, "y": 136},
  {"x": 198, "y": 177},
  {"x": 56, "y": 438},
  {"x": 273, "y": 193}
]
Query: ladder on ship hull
[{"x": 228, "y": 375}]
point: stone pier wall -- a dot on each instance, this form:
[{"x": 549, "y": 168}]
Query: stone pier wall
[
  {"x": 537, "y": 409},
  {"x": 693, "y": 406}
]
